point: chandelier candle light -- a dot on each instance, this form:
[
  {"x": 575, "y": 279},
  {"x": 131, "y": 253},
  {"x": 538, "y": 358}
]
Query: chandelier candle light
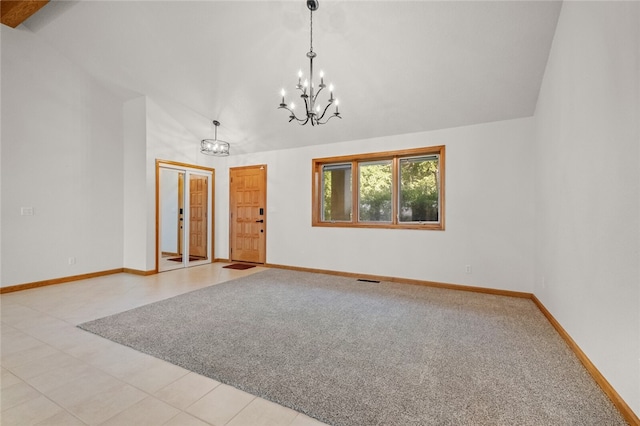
[
  {"x": 314, "y": 113},
  {"x": 214, "y": 146}
]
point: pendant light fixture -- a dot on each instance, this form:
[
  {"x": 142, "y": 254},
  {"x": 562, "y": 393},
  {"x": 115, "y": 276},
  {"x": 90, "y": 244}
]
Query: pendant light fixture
[
  {"x": 214, "y": 146},
  {"x": 314, "y": 111}
]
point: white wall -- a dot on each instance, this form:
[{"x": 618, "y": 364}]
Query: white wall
[
  {"x": 62, "y": 156},
  {"x": 587, "y": 169},
  {"x": 489, "y": 211},
  {"x": 135, "y": 213}
]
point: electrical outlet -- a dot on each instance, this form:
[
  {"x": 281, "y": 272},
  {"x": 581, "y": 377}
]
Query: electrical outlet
[
  {"x": 467, "y": 269},
  {"x": 26, "y": 211},
  {"x": 72, "y": 261}
]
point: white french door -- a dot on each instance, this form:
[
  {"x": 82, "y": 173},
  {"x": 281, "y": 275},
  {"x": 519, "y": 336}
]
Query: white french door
[{"x": 185, "y": 207}]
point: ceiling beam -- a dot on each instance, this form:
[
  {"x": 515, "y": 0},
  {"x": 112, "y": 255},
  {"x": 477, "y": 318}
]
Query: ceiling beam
[{"x": 15, "y": 12}]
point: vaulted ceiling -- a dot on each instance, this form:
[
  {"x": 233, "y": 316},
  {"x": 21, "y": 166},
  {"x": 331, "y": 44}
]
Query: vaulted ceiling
[{"x": 397, "y": 66}]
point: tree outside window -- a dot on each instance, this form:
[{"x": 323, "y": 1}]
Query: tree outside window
[
  {"x": 374, "y": 188},
  {"x": 419, "y": 189}
]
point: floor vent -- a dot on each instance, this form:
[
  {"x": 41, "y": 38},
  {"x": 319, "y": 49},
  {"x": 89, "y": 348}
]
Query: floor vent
[{"x": 368, "y": 281}]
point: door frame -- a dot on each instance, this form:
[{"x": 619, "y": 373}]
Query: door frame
[
  {"x": 180, "y": 213},
  {"x": 264, "y": 249},
  {"x": 211, "y": 215}
]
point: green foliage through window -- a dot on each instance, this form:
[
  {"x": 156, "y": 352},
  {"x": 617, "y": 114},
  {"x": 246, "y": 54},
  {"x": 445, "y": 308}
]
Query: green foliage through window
[
  {"x": 419, "y": 189},
  {"x": 374, "y": 189}
]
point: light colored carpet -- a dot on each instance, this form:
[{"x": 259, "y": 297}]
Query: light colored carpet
[{"x": 355, "y": 353}]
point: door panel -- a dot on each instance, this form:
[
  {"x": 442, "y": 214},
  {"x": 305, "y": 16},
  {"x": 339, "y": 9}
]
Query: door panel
[
  {"x": 198, "y": 217},
  {"x": 170, "y": 214},
  {"x": 248, "y": 213}
]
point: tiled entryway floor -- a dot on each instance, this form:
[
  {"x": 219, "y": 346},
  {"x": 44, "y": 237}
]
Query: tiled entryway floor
[{"x": 53, "y": 373}]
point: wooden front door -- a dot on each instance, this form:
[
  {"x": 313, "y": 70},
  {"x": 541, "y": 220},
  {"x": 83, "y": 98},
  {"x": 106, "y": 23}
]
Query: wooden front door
[
  {"x": 248, "y": 213},
  {"x": 198, "y": 204}
]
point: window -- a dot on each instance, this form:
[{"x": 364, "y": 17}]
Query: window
[
  {"x": 419, "y": 192},
  {"x": 399, "y": 189},
  {"x": 336, "y": 192},
  {"x": 374, "y": 191}
]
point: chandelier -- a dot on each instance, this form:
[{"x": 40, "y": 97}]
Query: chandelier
[
  {"x": 314, "y": 112},
  {"x": 215, "y": 146}
]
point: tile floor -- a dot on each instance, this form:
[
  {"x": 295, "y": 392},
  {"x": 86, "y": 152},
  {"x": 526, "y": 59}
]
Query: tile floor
[{"x": 53, "y": 373}]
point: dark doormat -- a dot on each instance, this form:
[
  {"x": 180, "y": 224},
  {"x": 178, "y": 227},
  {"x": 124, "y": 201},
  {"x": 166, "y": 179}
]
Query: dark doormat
[
  {"x": 239, "y": 266},
  {"x": 191, "y": 259}
]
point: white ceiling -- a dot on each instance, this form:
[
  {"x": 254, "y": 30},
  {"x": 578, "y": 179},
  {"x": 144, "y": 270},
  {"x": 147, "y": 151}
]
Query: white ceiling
[{"x": 397, "y": 66}]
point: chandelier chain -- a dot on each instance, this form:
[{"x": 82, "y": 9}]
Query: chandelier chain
[{"x": 311, "y": 30}]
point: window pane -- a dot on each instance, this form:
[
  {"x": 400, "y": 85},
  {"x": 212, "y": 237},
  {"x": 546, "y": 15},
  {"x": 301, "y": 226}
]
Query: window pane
[
  {"x": 336, "y": 192},
  {"x": 375, "y": 191},
  {"x": 419, "y": 198}
]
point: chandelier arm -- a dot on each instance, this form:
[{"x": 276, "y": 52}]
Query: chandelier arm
[
  {"x": 330, "y": 117},
  {"x": 293, "y": 114},
  {"x": 324, "y": 112},
  {"x": 315, "y": 96},
  {"x": 302, "y": 122}
]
